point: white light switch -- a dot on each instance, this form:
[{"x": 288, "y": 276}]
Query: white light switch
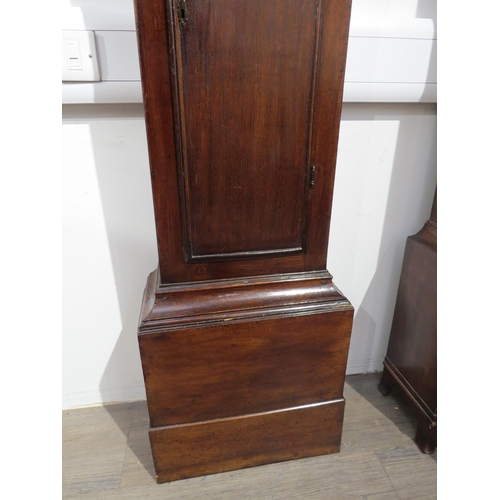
[{"x": 79, "y": 57}]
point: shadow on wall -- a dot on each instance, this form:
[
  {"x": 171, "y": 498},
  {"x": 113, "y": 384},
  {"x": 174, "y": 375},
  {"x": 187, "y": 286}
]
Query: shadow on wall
[
  {"x": 122, "y": 170},
  {"x": 384, "y": 192},
  {"x": 118, "y": 139},
  {"x": 109, "y": 250}
]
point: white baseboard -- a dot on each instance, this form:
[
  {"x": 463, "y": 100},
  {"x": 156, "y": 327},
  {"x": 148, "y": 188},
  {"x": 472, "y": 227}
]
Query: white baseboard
[{"x": 99, "y": 397}]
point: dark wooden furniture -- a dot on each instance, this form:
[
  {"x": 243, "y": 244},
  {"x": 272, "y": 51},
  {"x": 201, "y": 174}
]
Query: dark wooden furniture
[
  {"x": 411, "y": 361},
  {"x": 243, "y": 335}
]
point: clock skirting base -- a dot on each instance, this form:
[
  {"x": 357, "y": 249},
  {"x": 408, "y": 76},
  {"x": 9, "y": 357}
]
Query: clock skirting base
[{"x": 220, "y": 445}]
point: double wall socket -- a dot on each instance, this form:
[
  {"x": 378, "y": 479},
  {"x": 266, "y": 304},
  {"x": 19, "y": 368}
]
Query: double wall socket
[{"x": 79, "y": 57}]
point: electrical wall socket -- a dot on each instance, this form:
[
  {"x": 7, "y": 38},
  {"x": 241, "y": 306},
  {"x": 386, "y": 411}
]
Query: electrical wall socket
[{"x": 79, "y": 57}]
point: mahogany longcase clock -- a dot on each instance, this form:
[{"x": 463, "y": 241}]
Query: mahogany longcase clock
[{"x": 243, "y": 336}]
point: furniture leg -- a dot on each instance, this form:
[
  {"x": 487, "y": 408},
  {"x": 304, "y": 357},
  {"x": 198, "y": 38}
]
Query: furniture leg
[
  {"x": 426, "y": 437},
  {"x": 385, "y": 384}
]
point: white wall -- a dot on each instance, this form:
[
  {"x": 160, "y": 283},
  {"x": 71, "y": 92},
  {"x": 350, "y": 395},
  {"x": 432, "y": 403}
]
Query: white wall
[
  {"x": 384, "y": 187},
  {"x": 108, "y": 250}
]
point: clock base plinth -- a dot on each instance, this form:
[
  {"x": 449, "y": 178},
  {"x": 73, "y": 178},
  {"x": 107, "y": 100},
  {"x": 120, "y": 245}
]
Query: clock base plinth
[{"x": 243, "y": 372}]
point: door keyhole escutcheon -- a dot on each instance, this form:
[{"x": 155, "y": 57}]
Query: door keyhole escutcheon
[{"x": 183, "y": 12}]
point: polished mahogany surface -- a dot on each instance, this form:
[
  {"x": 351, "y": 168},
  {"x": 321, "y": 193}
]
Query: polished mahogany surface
[
  {"x": 247, "y": 367},
  {"x": 411, "y": 360},
  {"x": 245, "y": 130},
  {"x": 209, "y": 447},
  {"x": 243, "y": 104}
]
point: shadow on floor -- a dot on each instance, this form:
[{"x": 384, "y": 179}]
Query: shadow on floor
[
  {"x": 394, "y": 406},
  {"x": 133, "y": 420}
]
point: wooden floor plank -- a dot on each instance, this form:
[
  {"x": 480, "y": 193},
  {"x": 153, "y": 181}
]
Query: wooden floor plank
[
  {"x": 412, "y": 473},
  {"x": 93, "y": 457},
  {"x": 350, "y": 477}
]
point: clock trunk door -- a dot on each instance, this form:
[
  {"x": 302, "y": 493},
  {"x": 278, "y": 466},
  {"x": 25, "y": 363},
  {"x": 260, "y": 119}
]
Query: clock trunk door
[{"x": 254, "y": 153}]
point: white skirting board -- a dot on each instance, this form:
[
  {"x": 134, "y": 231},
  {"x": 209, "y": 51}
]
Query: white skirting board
[{"x": 99, "y": 397}]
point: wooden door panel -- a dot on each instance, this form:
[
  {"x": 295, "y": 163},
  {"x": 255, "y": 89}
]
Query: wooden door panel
[
  {"x": 240, "y": 102},
  {"x": 245, "y": 77}
]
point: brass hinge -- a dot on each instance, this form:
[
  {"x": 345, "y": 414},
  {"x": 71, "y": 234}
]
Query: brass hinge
[{"x": 312, "y": 173}]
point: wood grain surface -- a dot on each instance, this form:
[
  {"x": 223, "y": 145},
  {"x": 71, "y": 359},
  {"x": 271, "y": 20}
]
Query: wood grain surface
[
  {"x": 247, "y": 367},
  {"x": 245, "y": 129},
  {"x": 240, "y": 103},
  {"x": 183, "y": 451}
]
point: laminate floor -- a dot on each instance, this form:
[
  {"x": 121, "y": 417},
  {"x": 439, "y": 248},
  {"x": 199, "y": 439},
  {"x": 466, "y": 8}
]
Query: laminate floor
[{"x": 106, "y": 455}]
